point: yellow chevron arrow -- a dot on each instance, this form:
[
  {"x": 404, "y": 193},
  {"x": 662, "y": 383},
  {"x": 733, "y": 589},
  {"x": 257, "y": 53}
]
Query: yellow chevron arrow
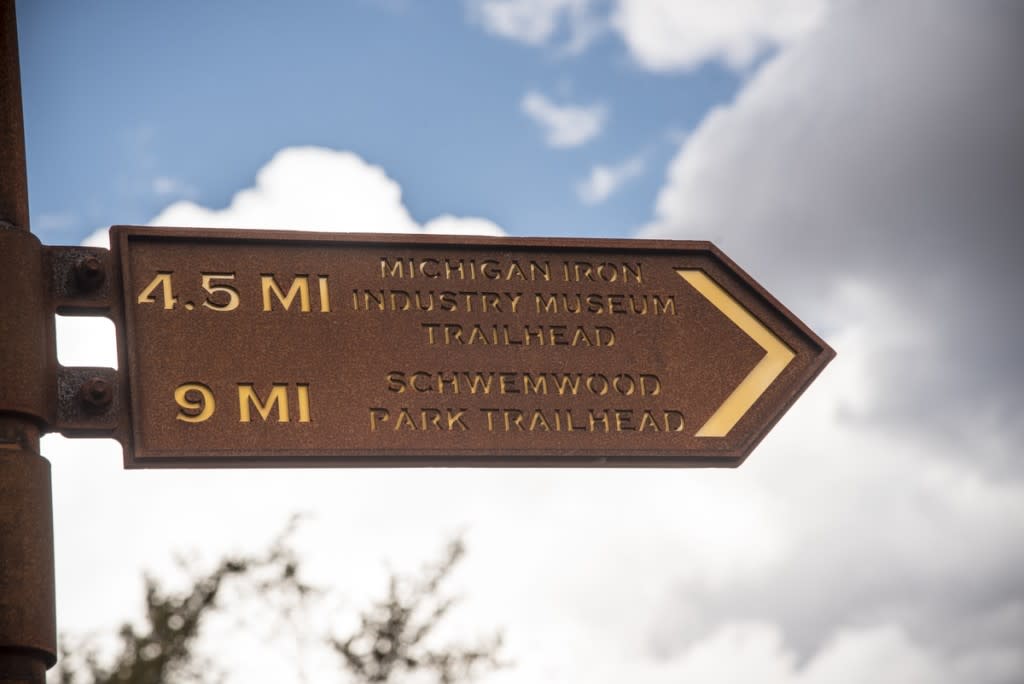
[{"x": 777, "y": 355}]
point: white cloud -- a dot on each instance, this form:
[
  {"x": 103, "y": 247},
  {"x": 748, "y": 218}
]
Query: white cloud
[
  {"x": 666, "y": 35},
  {"x": 875, "y": 533},
  {"x": 446, "y": 224},
  {"x": 752, "y": 651},
  {"x": 309, "y": 188},
  {"x": 879, "y": 198},
  {"x": 661, "y": 35},
  {"x": 897, "y": 173},
  {"x": 535, "y": 22},
  {"x": 604, "y": 180},
  {"x": 313, "y": 188},
  {"x": 564, "y": 125}
]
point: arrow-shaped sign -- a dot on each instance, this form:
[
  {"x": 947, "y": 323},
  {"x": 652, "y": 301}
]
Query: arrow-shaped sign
[
  {"x": 777, "y": 356},
  {"x": 253, "y": 348}
]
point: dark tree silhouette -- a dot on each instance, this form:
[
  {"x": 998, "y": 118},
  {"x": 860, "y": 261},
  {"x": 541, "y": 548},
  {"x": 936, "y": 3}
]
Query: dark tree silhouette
[
  {"x": 393, "y": 638},
  {"x": 390, "y": 643},
  {"x": 163, "y": 649}
]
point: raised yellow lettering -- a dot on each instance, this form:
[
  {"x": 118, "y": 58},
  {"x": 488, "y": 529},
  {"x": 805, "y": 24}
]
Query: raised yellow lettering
[
  {"x": 163, "y": 281},
  {"x": 299, "y": 287},
  {"x": 247, "y": 398},
  {"x": 191, "y": 410}
]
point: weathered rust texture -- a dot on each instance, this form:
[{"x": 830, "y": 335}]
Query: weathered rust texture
[
  {"x": 13, "y": 179},
  {"x": 27, "y": 609},
  {"x": 26, "y": 328},
  {"x": 89, "y": 403},
  {"x": 176, "y": 337},
  {"x": 22, "y": 668},
  {"x": 28, "y": 632},
  {"x": 78, "y": 279}
]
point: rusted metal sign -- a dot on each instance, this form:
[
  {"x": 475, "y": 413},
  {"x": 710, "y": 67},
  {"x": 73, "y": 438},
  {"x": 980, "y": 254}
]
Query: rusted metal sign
[{"x": 258, "y": 348}]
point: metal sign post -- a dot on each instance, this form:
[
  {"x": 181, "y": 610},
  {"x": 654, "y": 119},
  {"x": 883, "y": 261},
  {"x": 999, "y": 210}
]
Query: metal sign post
[{"x": 28, "y": 637}]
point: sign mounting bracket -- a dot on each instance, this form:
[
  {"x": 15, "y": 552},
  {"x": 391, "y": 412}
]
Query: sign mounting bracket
[{"x": 88, "y": 399}]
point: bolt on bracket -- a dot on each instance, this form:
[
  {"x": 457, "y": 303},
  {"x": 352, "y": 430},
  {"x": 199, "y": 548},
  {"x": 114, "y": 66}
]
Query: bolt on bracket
[
  {"x": 90, "y": 402},
  {"x": 79, "y": 280}
]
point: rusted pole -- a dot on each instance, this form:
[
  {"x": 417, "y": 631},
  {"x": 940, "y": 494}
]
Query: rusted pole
[{"x": 28, "y": 641}]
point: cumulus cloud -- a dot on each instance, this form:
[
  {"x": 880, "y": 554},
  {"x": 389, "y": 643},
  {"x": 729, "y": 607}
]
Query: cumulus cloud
[
  {"x": 660, "y": 35},
  {"x": 313, "y": 188},
  {"x": 664, "y": 35},
  {"x": 564, "y": 125},
  {"x": 901, "y": 172},
  {"x": 869, "y": 175},
  {"x": 605, "y": 180},
  {"x": 873, "y": 185},
  {"x": 756, "y": 652}
]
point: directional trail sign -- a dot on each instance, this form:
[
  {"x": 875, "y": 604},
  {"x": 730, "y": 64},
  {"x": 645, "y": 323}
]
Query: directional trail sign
[{"x": 260, "y": 348}]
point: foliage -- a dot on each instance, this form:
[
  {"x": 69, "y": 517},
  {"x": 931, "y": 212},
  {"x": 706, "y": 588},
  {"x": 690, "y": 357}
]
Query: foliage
[
  {"x": 390, "y": 643},
  {"x": 162, "y": 650},
  {"x": 393, "y": 637}
]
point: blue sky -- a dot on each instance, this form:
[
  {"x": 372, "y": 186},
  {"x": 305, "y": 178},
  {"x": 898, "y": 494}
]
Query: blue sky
[
  {"x": 863, "y": 160},
  {"x": 120, "y": 95}
]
